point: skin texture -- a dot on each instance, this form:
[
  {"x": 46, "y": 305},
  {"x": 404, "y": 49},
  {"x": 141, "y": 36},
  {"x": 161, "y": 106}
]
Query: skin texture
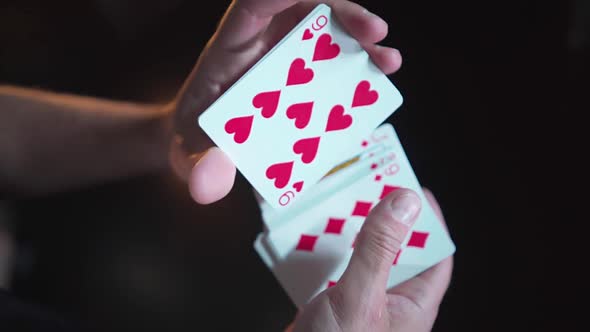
[
  {"x": 248, "y": 29},
  {"x": 360, "y": 301},
  {"x": 91, "y": 140},
  {"x": 52, "y": 142}
]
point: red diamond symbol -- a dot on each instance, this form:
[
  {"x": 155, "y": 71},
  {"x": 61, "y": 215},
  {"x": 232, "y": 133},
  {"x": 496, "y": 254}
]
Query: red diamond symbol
[
  {"x": 386, "y": 190},
  {"x": 306, "y": 242},
  {"x": 377, "y": 177},
  {"x": 418, "y": 239},
  {"x": 364, "y": 144},
  {"x": 373, "y": 166},
  {"x": 362, "y": 208},
  {"x": 334, "y": 226},
  {"x": 397, "y": 257},
  {"x": 331, "y": 283}
]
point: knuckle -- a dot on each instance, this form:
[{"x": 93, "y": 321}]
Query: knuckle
[
  {"x": 337, "y": 304},
  {"x": 385, "y": 240},
  {"x": 351, "y": 312}
]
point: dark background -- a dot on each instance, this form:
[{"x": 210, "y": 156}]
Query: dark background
[{"x": 491, "y": 93}]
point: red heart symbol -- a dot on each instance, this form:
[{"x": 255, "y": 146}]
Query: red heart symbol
[
  {"x": 363, "y": 95},
  {"x": 281, "y": 173},
  {"x": 301, "y": 113},
  {"x": 325, "y": 49},
  {"x": 307, "y": 35},
  {"x": 298, "y": 74},
  {"x": 308, "y": 148},
  {"x": 240, "y": 127},
  {"x": 268, "y": 101},
  {"x": 298, "y": 186},
  {"x": 337, "y": 120}
]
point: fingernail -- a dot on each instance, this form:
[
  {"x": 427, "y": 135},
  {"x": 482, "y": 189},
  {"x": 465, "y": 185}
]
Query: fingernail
[{"x": 404, "y": 208}]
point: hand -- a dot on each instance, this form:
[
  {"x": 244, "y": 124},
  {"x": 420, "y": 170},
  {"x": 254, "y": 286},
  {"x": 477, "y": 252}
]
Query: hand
[
  {"x": 248, "y": 30},
  {"x": 360, "y": 301}
]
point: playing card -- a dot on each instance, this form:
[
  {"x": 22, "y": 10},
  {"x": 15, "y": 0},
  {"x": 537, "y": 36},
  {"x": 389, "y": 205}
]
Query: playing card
[
  {"x": 264, "y": 252},
  {"x": 300, "y": 110},
  {"x": 323, "y": 236},
  {"x": 385, "y": 172},
  {"x": 298, "y": 277},
  {"x": 303, "y": 279},
  {"x": 362, "y": 159}
]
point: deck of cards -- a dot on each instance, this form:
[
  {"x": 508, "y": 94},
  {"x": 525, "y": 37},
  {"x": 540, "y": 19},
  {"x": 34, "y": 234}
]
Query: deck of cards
[{"x": 305, "y": 127}]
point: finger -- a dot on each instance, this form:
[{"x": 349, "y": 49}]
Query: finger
[
  {"x": 427, "y": 289},
  {"x": 235, "y": 39},
  {"x": 245, "y": 19},
  {"x": 212, "y": 177},
  {"x": 367, "y": 28},
  {"x": 290, "y": 327},
  {"x": 378, "y": 243},
  {"x": 180, "y": 161},
  {"x": 360, "y": 23},
  {"x": 364, "y": 26},
  {"x": 388, "y": 59},
  {"x": 233, "y": 49}
]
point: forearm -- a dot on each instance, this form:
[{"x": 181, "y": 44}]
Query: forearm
[{"x": 51, "y": 142}]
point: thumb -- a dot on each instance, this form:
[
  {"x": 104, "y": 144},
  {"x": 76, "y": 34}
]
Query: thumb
[
  {"x": 212, "y": 177},
  {"x": 378, "y": 243},
  {"x": 210, "y": 174}
]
